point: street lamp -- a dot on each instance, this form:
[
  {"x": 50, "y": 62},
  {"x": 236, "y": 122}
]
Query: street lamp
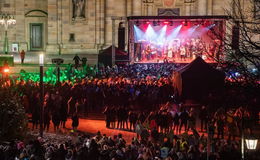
[
  {"x": 251, "y": 143},
  {"x": 41, "y": 63},
  {"x": 6, "y": 20}
]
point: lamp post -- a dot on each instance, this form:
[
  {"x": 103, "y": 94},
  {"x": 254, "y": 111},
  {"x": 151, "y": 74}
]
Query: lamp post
[
  {"x": 251, "y": 143},
  {"x": 6, "y": 20},
  {"x": 41, "y": 63}
]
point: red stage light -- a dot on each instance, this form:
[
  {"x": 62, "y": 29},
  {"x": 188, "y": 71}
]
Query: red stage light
[
  {"x": 185, "y": 23},
  {"x": 205, "y": 23},
  {"x": 166, "y": 22},
  {"x": 147, "y": 22}
]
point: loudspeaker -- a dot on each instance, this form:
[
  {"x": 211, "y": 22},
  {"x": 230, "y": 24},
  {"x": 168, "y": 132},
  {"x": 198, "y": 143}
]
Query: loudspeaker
[
  {"x": 121, "y": 38},
  {"x": 57, "y": 61},
  {"x": 235, "y": 36},
  {"x": 137, "y": 51}
]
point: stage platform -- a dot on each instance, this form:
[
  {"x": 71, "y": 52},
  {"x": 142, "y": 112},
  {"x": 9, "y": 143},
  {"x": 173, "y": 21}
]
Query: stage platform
[{"x": 174, "y": 61}]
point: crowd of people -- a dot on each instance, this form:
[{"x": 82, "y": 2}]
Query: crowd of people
[
  {"x": 137, "y": 97},
  {"x": 142, "y": 86},
  {"x": 103, "y": 147},
  {"x": 177, "y": 119}
]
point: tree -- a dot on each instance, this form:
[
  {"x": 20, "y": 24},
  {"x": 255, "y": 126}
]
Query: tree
[
  {"x": 13, "y": 120},
  {"x": 241, "y": 45}
]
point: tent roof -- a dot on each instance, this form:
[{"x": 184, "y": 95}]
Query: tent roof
[
  {"x": 108, "y": 51},
  {"x": 197, "y": 79},
  {"x": 198, "y": 66}
]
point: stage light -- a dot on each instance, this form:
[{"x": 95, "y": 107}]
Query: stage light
[
  {"x": 165, "y": 22},
  {"x": 184, "y": 23},
  {"x": 216, "y": 22},
  {"x": 147, "y": 22}
]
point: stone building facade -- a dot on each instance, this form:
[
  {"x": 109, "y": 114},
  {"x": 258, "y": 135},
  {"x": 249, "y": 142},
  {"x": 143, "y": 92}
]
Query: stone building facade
[{"x": 85, "y": 26}]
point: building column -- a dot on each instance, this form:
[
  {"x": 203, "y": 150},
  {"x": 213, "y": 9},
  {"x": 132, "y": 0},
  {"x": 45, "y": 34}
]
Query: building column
[
  {"x": 20, "y": 25},
  {"x": 52, "y": 43},
  {"x": 209, "y": 7},
  {"x": 108, "y": 22},
  {"x": 137, "y": 7},
  {"x": 129, "y": 4},
  {"x": 149, "y": 9},
  {"x": 202, "y": 7},
  {"x": 100, "y": 23},
  {"x": 187, "y": 9}
]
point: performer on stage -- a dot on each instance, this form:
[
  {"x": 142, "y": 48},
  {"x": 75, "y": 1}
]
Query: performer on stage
[
  {"x": 169, "y": 54},
  {"x": 182, "y": 52},
  {"x": 148, "y": 51}
]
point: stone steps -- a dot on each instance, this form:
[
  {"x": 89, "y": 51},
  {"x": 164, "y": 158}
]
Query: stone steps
[
  {"x": 33, "y": 58},
  {"x": 31, "y": 61}
]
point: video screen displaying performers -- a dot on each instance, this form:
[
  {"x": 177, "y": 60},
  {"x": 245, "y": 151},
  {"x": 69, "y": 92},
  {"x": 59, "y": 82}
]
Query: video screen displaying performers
[{"x": 177, "y": 42}]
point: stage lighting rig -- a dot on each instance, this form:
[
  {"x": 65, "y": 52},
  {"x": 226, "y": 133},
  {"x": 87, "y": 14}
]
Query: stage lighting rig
[
  {"x": 137, "y": 23},
  {"x": 189, "y": 1},
  {"x": 158, "y": 23},
  {"x": 155, "y": 23}
]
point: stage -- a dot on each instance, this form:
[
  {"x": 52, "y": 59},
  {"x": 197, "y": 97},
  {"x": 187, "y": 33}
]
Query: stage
[
  {"x": 178, "y": 39},
  {"x": 172, "y": 60}
]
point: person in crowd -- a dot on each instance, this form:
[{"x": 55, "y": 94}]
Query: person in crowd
[
  {"x": 46, "y": 113},
  {"x": 203, "y": 116},
  {"x": 84, "y": 61},
  {"x": 220, "y": 127},
  {"x": 176, "y": 122},
  {"x": 76, "y": 59},
  {"x": 55, "y": 101},
  {"x": 184, "y": 116},
  {"x": 22, "y": 56},
  {"x": 36, "y": 110},
  {"x": 71, "y": 105},
  {"x": 132, "y": 120},
  {"x": 63, "y": 113},
  {"x": 25, "y": 102},
  {"x": 113, "y": 117},
  {"x": 75, "y": 121},
  {"x": 192, "y": 120},
  {"x": 108, "y": 116},
  {"x": 119, "y": 117},
  {"x": 211, "y": 129},
  {"x": 125, "y": 118}
]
